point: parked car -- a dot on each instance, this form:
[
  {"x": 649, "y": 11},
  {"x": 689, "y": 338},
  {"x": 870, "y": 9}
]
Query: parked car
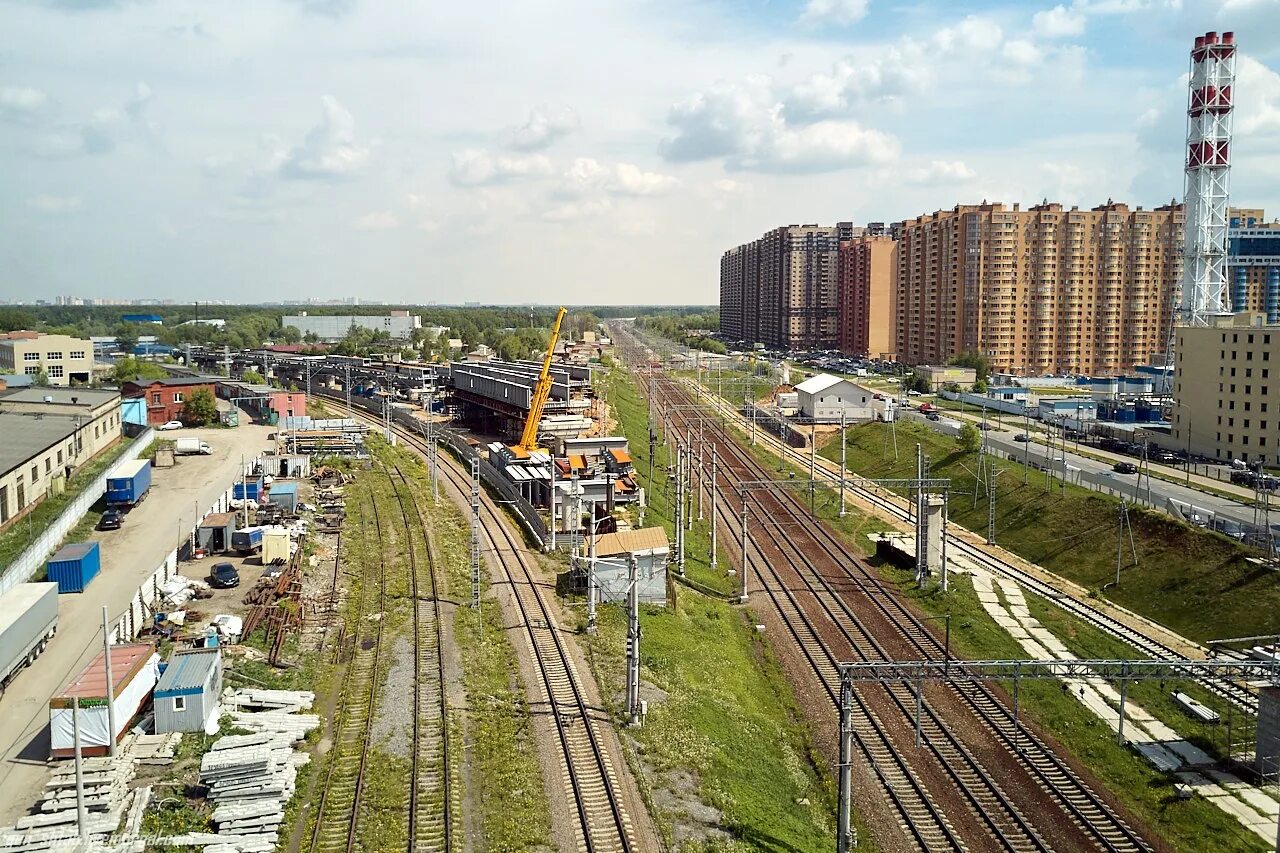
[
  {"x": 223, "y": 576},
  {"x": 111, "y": 520},
  {"x": 1125, "y": 468},
  {"x": 1022, "y": 436},
  {"x": 1243, "y": 478},
  {"x": 984, "y": 426},
  {"x": 170, "y": 425}
]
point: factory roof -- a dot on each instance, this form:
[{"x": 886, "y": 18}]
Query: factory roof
[
  {"x": 818, "y": 384},
  {"x": 175, "y": 381},
  {"x": 88, "y": 397},
  {"x": 27, "y": 435}
]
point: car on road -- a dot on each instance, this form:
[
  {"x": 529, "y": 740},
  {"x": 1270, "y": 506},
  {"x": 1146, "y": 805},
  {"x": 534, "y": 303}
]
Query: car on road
[
  {"x": 1022, "y": 436},
  {"x": 984, "y": 426},
  {"x": 111, "y": 520},
  {"x": 932, "y": 416},
  {"x": 1125, "y": 468},
  {"x": 223, "y": 576},
  {"x": 170, "y": 425}
]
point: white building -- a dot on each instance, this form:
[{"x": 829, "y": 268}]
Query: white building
[
  {"x": 400, "y": 325},
  {"x": 824, "y": 397},
  {"x": 63, "y": 359}
]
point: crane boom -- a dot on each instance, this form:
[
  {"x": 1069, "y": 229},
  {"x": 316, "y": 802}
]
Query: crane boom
[{"x": 541, "y": 391}]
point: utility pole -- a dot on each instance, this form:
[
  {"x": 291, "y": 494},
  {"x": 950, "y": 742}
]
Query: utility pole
[
  {"x": 346, "y": 386},
  {"x": 475, "y": 533},
  {"x": 633, "y": 641},
  {"x": 1026, "y": 445},
  {"x": 688, "y": 482},
  {"x": 813, "y": 463},
  {"x": 701, "y": 478},
  {"x": 679, "y": 507},
  {"x": 715, "y": 560},
  {"x": 551, "y": 502},
  {"x": 1125, "y": 525},
  {"x": 846, "y": 837},
  {"x": 843, "y": 448},
  {"x": 591, "y": 575},
  {"x": 244, "y": 489},
  {"x": 111, "y": 685},
  {"x": 922, "y": 522},
  {"x": 991, "y": 506}
]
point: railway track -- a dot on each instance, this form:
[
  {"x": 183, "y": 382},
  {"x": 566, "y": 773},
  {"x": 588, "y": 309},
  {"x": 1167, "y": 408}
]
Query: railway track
[
  {"x": 1242, "y": 697},
  {"x": 817, "y": 563},
  {"x": 431, "y": 774},
  {"x": 337, "y": 813},
  {"x": 589, "y": 779}
]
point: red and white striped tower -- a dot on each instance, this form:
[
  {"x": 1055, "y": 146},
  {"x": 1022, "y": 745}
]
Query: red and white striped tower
[{"x": 1208, "y": 178}]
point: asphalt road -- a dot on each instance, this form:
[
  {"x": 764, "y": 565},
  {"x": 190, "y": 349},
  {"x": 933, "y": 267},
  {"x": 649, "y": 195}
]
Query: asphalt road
[
  {"x": 1092, "y": 473},
  {"x": 129, "y": 555}
]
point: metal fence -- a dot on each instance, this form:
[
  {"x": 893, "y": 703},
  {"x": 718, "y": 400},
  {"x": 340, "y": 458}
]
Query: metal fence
[
  {"x": 33, "y": 557},
  {"x": 498, "y": 482}
]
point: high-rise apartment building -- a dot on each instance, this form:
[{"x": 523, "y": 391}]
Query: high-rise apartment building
[
  {"x": 1039, "y": 290},
  {"x": 781, "y": 290},
  {"x": 1253, "y": 264},
  {"x": 867, "y": 270}
]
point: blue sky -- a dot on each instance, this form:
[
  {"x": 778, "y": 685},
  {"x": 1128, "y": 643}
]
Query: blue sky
[{"x": 567, "y": 150}]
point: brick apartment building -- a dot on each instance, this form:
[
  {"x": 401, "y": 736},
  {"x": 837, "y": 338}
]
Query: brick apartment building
[{"x": 867, "y": 267}]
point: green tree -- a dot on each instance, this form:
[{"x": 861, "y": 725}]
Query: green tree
[
  {"x": 917, "y": 382},
  {"x": 969, "y": 438},
  {"x": 126, "y": 338},
  {"x": 254, "y": 377},
  {"x": 199, "y": 408},
  {"x": 980, "y": 364},
  {"x": 41, "y": 379},
  {"x": 130, "y": 369},
  {"x": 290, "y": 335}
]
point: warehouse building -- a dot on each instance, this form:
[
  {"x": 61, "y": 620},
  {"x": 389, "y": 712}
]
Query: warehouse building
[
  {"x": 825, "y": 398},
  {"x": 400, "y": 325},
  {"x": 165, "y": 398},
  {"x": 1222, "y": 383}
]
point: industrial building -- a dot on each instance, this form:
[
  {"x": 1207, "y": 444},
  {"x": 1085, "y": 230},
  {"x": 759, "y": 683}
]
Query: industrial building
[
  {"x": 165, "y": 398},
  {"x": 825, "y": 399},
  {"x": 63, "y": 359},
  {"x": 867, "y": 266},
  {"x": 1224, "y": 376},
  {"x": 495, "y": 396},
  {"x": 940, "y": 376},
  {"x": 399, "y": 325}
]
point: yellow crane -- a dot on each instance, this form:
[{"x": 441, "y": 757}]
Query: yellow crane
[{"x": 541, "y": 391}]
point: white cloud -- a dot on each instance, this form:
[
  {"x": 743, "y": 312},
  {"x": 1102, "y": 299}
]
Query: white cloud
[
  {"x": 578, "y": 210},
  {"x": 746, "y": 125},
  {"x": 1058, "y": 22},
  {"x": 839, "y": 13},
  {"x": 56, "y": 205},
  {"x": 378, "y": 220},
  {"x": 940, "y": 172},
  {"x": 1021, "y": 52},
  {"x": 544, "y": 127},
  {"x": 21, "y": 103},
  {"x": 329, "y": 150},
  {"x": 477, "y": 168},
  {"x": 632, "y": 180},
  {"x": 586, "y": 175}
]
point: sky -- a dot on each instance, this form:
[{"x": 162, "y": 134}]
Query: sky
[{"x": 567, "y": 151}]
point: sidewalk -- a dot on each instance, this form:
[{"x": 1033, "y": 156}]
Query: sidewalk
[{"x": 151, "y": 530}]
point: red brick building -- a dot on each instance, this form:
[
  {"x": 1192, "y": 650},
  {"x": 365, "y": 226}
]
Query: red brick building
[{"x": 165, "y": 397}]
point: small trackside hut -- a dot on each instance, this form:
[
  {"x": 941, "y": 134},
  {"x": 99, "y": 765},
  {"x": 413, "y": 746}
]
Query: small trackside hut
[{"x": 186, "y": 698}]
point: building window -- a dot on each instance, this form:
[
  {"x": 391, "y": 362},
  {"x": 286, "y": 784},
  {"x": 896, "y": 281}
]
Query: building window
[
  {"x": 48, "y": 465},
  {"x": 77, "y": 353},
  {"x": 177, "y": 396},
  {"x": 31, "y": 356},
  {"x": 55, "y": 371},
  {"x": 53, "y": 355},
  {"x": 35, "y": 473},
  {"x": 60, "y": 462},
  {"x": 179, "y": 704},
  {"x": 31, "y": 370},
  {"x": 155, "y": 398}
]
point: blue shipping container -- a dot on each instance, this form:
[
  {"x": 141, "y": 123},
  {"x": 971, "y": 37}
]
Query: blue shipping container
[
  {"x": 253, "y": 486},
  {"x": 129, "y": 483},
  {"x": 285, "y": 496},
  {"x": 75, "y": 566}
]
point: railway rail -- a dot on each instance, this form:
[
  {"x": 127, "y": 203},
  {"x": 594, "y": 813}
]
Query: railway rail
[
  {"x": 1243, "y": 697},
  {"x": 818, "y": 563},
  {"x": 589, "y": 778}
]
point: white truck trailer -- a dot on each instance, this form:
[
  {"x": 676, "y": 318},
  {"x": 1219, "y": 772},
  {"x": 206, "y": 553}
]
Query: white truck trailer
[{"x": 28, "y": 619}]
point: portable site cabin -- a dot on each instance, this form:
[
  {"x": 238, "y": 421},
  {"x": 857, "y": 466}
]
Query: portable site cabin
[
  {"x": 213, "y": 536},
  {"x": 250, "y": 486},
  {"x": 292, "y": 465},
  {"x": 275, "y": 546},
  {"x": 285, "y": 496},
  {"x": 188, "y": 690},
  {"x": 649, "y": 547},
  {"x": 134, "y": 670}
]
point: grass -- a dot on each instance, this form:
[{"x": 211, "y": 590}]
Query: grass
[
  {"x": 723, "y": 724},
  {"x": 25, "y": 530},
  {"x": 1186, "y": 825},
  {"x": 495, "y": 729},
  {"x": 1196, "y": 582}
]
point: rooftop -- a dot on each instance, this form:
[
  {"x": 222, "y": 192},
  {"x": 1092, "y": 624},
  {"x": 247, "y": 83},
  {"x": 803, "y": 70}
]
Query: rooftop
[
  {"x": 88, "y": 397},
  {"x": 27, "y": 434},
  {"x": 176, "y": 381},
  {"x": 187, "y": 672},
  {"x": 818, "y": 384},
  {"x": 632, "y": 541},
  {"x": 127, "y": 659}
]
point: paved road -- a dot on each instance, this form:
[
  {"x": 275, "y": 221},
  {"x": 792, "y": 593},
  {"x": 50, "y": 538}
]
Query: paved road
[
  {"x": 1086, "y": 471},
  {"x": 129, "y": 556}
]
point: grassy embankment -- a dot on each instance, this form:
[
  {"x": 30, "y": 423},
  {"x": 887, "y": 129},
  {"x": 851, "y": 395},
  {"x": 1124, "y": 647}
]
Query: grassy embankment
[
  {"x": 723, "y": 725},
  {"x": 1196, "y": 582}
]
